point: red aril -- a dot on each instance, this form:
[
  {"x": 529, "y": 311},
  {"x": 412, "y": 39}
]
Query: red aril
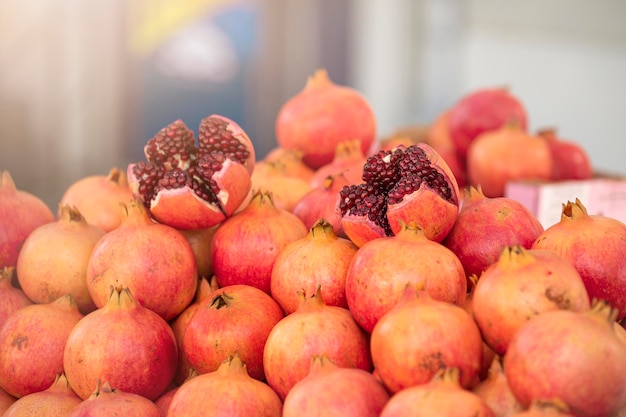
[{"x": 56, "y": 400}]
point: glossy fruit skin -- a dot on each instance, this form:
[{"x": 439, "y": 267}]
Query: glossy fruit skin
[{"x": 320, "y": 116}]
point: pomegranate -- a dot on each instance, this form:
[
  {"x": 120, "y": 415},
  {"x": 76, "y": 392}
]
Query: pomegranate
[
  {"x": 123, "y": 343},
  {"x": 381, "y": 269},
  {"x": 595, "y": 245},
  {"x": 546, "y": 408},
  {"x": 32, "y": 340},
  {"x": 520, "y": 285},
  {"x": 313, "y": 329},
  {"x": 485, "y": 226},
  {"x": 286, "y": 190},
  {"x": 165, "y": 399},
  {"x": 233, "y": 393},
  {"x": 557, "y": 347},
  {"x": 320, "y": 116},
  {"x": 441, "y": 396},
  {"x": 333, "y": 391},
  {"x": 194, "y": 187},
  {"x": 162, "y": 277},
  {"x": 55, "y": 401},
  {"x": 321, "y": 202},
  {"x": 483, "y": 110},
  {"x": 20, "y": 212},
  {"x": 291, "y": 159},
  {"x": 571, "y": 160},
  {"x": 106, "y": 401},
  {"x": 500, "y": 156},
  {"x": 6, "y": 401},
  {"x": 53, "y": 260},
  {"x": 200, "y": 241},
  {"x": 180, "y": 323},
  {"x": 438, "y": 136},
  {"x": 245, "y": 247},
  {"x": 12, "y": 298},
  {"x": 348, "y": 160},
  {"x": 496, "y": 393},
  {"x": 236, "y": 319},
  {"x": 320, "y": 259},
  {"x": 98, "y": 197},
  {"x": 420, "y": 336},
  {"x": 401, "y": 185}
]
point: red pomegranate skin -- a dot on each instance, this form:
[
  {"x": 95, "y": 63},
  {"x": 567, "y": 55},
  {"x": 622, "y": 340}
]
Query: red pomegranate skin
[
  {"x": 56, "y": 400},
  {"x": 12, "y": 298},
  {"x": 106, "y": 401}
]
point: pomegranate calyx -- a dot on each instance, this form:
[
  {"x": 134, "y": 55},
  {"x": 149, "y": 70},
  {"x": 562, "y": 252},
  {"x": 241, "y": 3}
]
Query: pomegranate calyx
[
  {"x": 71, "y": 214},
  {"x": 221, "y": 300},
  {"x": 573, "y": 210},
  {"x": 233, "y": 365},
  {"x": 7, "y": 185},
  {"x": 513, "y": 257},
  {"x": 319, "y": 79},
  {"x": 120, "y": 297},
  {"x": 603, "y": 311},
  {"x": 322, "y": 228}
]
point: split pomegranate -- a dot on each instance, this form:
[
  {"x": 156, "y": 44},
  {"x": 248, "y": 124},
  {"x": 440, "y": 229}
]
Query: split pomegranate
[
  {"x": 231, "y": 393},
  {"x": 236, "y": 319},
  {"x": 286, "y": 190},
  {"x": 194, "y": 187},
  {"x": 520, "y": 285},
  {"x": 20, "y": 213},
  {"x": 56, "y": 400},
  {"x": 401, "y": 185},
  {"x": 595, "y": 245},
  {"x": 245, "y": 247},
  {"x": 12, "y": 298},
  {"x": 419, "y": 337},
  {"x": 321, "y": 202},
  {"x": 381, "y": 269},
  {"x": 123, "y": 343},
  {"x": 330, "y": 390},
  {"x": 53, "y": 260},
  {"x": 485, "y": 226},
  {"x": 496, "y": 393},
  {"x": 571, "y": 160},
  {"x": 32, "y": 340},
  {"x": 313, "y": 329},
  {"x": 507, "y": 154},
  {"x": 320, "y": 259},
  {"x": 348, "y": 160},
  {"x": 98, "y": 197},
  {"x": 556, "y": 348},
  {"x": 481, "y": 111},
  {"x": 443, "y": 395},
  {"x": 320, "y": 116},
  {"x": 155, "y": 261},
  {"x": 106, "y": 401}
]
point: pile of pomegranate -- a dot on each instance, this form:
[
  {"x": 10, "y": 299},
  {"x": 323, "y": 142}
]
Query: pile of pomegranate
[{"x": 340, "y": 275}]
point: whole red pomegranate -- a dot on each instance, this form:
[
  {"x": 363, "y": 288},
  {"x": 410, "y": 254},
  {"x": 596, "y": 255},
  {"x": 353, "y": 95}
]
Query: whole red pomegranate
[
  {"x": 401, "y": 185},
  {"x": 32, "y": 340},
  {"x": 496, "y": 393},
  {"x": 20, "y": 213},
  {"x": 420, "y": 336},
  {"x": 321, "y": 202},
  {"x": 291, "y": 160},
  {"x": 54, "y": 257},
  {"x": 55, "y": 401},
  {"x": 232, "y": 393},
  {"x": 348, "y": 161},
  {"x": 483, "y": 110},
  {"x": 381, "y": 269},
  {"x": 319, "y": 259},
  {"x": 520, "y": 285},
  {"x": 595, "y": 245},
  {"x": 245, "y": 247},
  {"x": 12, "y": 298},
  {"x": 286, "y": 190},
  {"x": 320, "y": 116},
  {"x": 443, "y": 395},
  {"x": 557, "y": 348},
  {"x": 123, "y": 343},
  {"x": 330, "y": 390},
  {"x": 106, "y": 401},
  {"x": 507, "y": 154},
  {"x": 200, "y": 241},
  {"x": 194, "y": 187},
  {"x": 313, "y": 329},
  {"x": 236, "y": 319},
  {"x": 98, "y": 197},
  {"x": 162, "y": 276},
  {"x": 485, "y": 226},
  {"x": 571, "y": 160}
]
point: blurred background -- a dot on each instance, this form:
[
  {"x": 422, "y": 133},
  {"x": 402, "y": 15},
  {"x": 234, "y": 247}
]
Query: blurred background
[{"x": 85, "y": 83}]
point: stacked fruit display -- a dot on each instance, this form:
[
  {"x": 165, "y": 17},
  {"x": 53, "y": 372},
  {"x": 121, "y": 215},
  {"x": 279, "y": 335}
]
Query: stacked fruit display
[{"x": 339, "y": 275}]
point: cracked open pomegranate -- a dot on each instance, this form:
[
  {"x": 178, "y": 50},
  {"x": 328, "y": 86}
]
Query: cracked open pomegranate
[
  {"x": 189, "y": 186},
  {"x": 401, "y": 185}
]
